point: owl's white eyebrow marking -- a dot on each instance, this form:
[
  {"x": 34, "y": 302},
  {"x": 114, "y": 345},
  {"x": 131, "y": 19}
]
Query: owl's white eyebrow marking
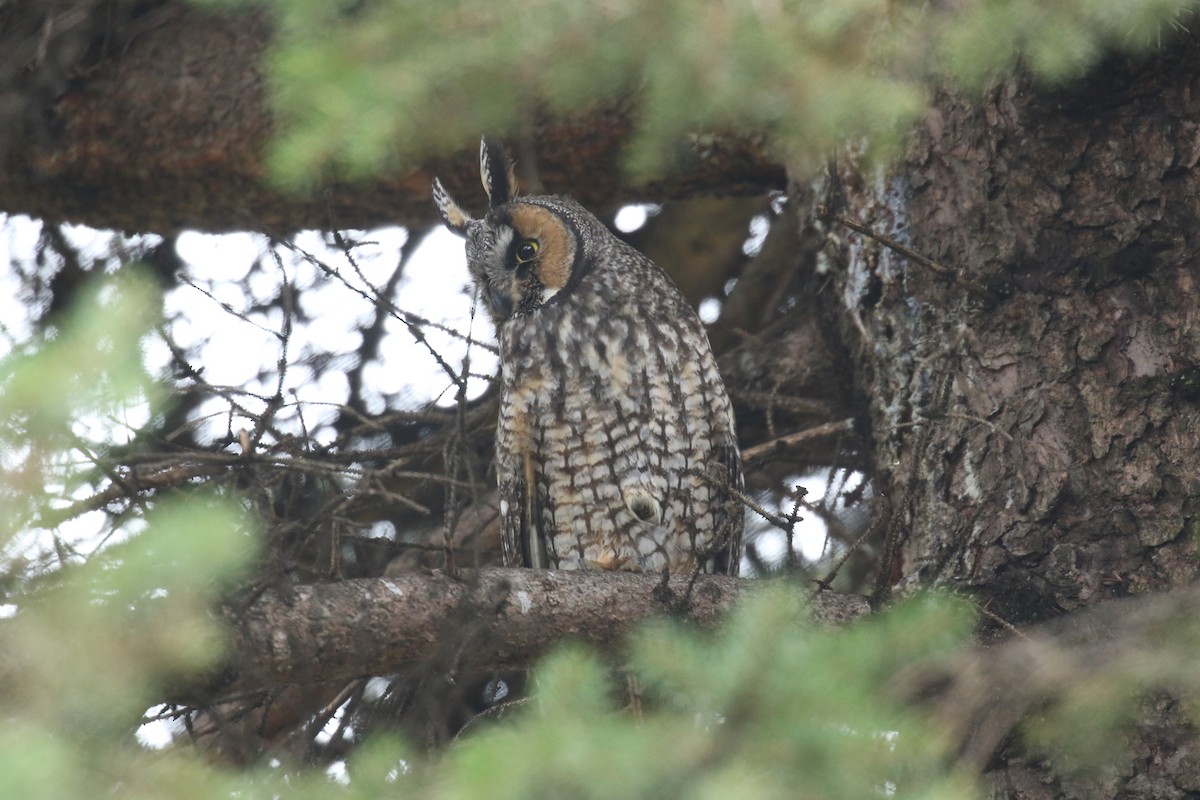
[{"x": 504, "y": 237}]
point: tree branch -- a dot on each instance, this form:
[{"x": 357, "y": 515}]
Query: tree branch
[
  {"x": 168, "y": 128},
  {"x": 501, "y": 617},
  {"x": 498, "y": 618}
]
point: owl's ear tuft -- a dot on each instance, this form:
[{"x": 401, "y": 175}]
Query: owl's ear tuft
[
  {"x": 496, "y": 172},
  {"x": 451, "y": 212}
]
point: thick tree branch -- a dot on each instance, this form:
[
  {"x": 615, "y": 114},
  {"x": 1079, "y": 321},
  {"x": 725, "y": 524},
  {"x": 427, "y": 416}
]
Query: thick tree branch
[
  {"x": 159, "y": 121},
  {"x": 494, "y": 617},
  {"x": 498, "y": 618}
]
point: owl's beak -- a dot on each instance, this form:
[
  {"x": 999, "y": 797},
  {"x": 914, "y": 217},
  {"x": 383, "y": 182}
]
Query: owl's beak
[{"x": 500, "y": 301}]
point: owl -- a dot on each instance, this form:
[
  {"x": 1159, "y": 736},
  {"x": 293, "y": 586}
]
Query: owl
[{"x": 615, "y": 444}]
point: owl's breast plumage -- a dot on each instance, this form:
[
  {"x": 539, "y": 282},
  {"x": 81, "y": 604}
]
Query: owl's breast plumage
[
  {"x": 615, "y": 445},
  {"x": 614, "y": 415}
]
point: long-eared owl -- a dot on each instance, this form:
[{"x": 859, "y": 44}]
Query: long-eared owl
[{"x": 615, "y": 446}]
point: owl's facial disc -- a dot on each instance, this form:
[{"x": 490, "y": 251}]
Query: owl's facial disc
[
  {"x": 521, "y": 256},
  {"x": 550, "y": 268}
]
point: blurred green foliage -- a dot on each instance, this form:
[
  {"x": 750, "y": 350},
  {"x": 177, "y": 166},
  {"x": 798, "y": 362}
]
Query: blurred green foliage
[
  {"x": 87, "y": 370},
  {"x": 768, "y": 707},
  {"x": 363, "y": 85},
  {"x": 87, "y": 638}
]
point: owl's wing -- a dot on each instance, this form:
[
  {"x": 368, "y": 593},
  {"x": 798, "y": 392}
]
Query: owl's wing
[
  {"x": 512, "y": 520},
  {"x": 522, "y": 544},
  {"x": 727, "y": 513}
]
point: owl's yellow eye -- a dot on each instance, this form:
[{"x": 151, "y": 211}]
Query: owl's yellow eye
[{"x": 526, "y": 250}]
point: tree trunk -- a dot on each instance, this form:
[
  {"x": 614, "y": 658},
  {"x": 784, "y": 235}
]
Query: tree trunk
[{"x": 1035, "y": 442}]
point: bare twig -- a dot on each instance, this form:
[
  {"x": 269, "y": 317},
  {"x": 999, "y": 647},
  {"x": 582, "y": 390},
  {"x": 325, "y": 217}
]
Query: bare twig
[
  {"x": 823, "y": 212},
  {"x": 816, "y": 432}
]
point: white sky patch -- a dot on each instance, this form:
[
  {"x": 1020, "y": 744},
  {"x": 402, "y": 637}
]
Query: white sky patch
[
  {"x": 810, "y": 534},
  {"x": 710, "y": 309},
  {"x": 157, "y": 734},
  {"x": 338, "y": 773},
  {"x": 97, "y": 246},
  {"x": 811, "y": 531},
  {"x": 333, "y": 725},
  {"x": 760, "y": 225},
  {"x": 236, "y": 351},
  {"x": 438, "y": 287},
  {"x": 118, "y": 428},
  {"x": 218, "y": 257},
  {"x": 17, "y": 243},
  {"x": 375, "y": 688},
  {"x": 630, "y": 218}
]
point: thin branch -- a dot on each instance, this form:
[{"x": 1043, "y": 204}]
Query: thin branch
[
  {"x": 816, "y": 432},
  {"x": 974, "y": 287}
]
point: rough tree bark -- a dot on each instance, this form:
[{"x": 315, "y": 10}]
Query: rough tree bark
[{"x": 1036, "y": 444}]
